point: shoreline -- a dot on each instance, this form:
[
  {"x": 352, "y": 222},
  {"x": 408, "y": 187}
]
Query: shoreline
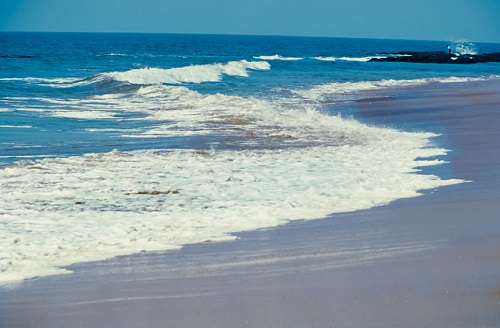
[{"x": 426, "y": 261}]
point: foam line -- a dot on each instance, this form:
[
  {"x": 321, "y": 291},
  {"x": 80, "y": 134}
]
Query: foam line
[
  {"x": 353, "y": 59},
  {"x": 60, "y": 211},
  {"x": 278, "y": 57},
  {"x": 336, "y": 91},
  {"x": 15, "y": 126},
  {"x": 68, "y": 82}
]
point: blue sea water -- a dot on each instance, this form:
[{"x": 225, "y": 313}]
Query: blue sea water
[
  {"x": 162, "y": 140},
  {"x": 86, "y": 56}
]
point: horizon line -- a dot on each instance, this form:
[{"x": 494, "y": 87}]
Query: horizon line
[{"x": 250, "y": 35}]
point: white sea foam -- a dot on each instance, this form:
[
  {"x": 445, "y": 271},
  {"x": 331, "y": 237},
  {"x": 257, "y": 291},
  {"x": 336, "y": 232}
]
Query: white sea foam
[
  {"x": 278, "y": 57},
  {"x": 55, "y": 212},
  {"x": 97, "y": 107},
  {"x": 188, "y": 74},
  {"x": 360, "y": 59},
  {"x": 186, "y": 112},
  {"x": 29, "y": 156},
  {"x": 333, "y": 92},
  {"x": 117, "y": 54},
  {"x": 111, "y": 130},
  {"x": 41, "y": 79},
  {"x": 326, "y": 58},
  {"x": 459, "y": 79},
  {"x": 67, "y": 82},
  {"x": 354, "y": 59},
  {"x": 16, "y": 126},
  {"x": 59, "y": 211},
  {"x": 178, "y": 75},
  {"x": 85, "y": 115},
  {"x": 463, "y": 47}
]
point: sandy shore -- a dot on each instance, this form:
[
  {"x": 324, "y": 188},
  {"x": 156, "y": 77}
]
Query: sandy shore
[{"x": 431, "y": 261}]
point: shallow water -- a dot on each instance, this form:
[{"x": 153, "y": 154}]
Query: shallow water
[{"x": 113, "y": 144}]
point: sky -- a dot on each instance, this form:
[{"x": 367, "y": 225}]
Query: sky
[{"x": 472, "y": 20}]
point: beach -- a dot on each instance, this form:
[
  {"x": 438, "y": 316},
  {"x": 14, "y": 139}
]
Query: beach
[{"x": 428, "y": 261}]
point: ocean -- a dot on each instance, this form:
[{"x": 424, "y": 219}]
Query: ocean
[{"x": 114, "y": 144}]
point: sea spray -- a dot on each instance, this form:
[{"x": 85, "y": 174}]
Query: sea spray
[{"x": 463, "y": 47}]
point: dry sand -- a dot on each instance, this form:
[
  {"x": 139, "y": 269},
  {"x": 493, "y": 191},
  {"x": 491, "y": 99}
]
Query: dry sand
[{"x": 431, "y": 261}]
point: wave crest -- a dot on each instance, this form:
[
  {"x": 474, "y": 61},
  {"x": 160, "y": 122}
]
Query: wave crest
[
  {"x": 278, "y": 57},
  {"x": 188, "y": 74},
  {"x": 148, "y": 76},
  {"x": 117, "y": 203},
  {"x": 339, "y": 90}
]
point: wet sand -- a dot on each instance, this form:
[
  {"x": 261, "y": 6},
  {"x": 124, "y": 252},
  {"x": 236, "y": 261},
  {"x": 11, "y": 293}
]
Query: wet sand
[{"x": 431, "y": 261}]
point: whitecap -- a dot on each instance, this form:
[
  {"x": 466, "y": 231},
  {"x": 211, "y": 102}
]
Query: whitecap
[
  {"x": 188, "y": 74},
  {"x": 85, "y": 115},
  {"x": 326, "y": 58},
  {"x": 278, "y": 57},
  {"x": 116, "y": 54},
  {"x": 336, "y": 91},
  {"x": 15, "y": 126},
  {"x": 61, "y": 82}
]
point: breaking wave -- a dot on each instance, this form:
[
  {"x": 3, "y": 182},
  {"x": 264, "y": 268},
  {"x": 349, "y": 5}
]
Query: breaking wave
[
  {"x": 278, "y": 57},
  {"x": 97, "y": 206},
  {"x": 271, "y": 164},
  {"x": 61, "y": 82},
  {"x": 188, "y": 74},
  {"x": 337, "y": 91},
  {"x": 147, "y": 76}
]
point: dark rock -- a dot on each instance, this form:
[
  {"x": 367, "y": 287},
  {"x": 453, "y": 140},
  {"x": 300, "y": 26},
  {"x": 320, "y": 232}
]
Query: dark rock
[
  {"x": 437, "y": 57},
  {"x": 16, "y": 56}
]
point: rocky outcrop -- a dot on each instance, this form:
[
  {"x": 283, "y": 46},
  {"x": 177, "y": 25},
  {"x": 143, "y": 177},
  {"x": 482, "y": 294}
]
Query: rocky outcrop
[
  {"x": 16, "y": 56},
  {"x": 437, "y": 57}
]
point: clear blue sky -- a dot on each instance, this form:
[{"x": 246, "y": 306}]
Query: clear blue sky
[{"x": 473, "y": 20}]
